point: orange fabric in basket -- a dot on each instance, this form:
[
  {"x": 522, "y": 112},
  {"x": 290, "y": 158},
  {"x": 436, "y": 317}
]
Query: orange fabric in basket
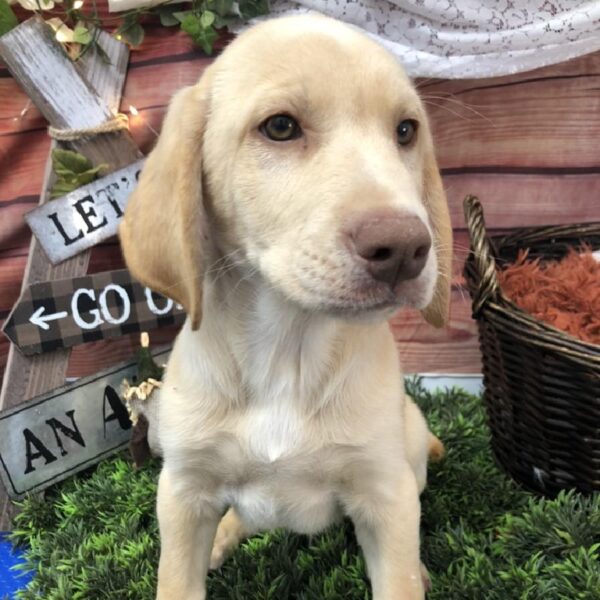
[{"x": 564, "y": 294}]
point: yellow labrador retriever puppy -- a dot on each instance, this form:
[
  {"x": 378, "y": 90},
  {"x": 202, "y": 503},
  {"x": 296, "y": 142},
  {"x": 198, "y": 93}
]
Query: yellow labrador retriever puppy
[{"x": 292, "y": 204}]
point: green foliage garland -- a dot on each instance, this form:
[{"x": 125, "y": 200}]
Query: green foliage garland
[{"x": 77, "y": 25}]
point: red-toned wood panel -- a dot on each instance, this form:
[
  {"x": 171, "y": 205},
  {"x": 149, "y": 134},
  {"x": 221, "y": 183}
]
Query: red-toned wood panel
[
  {"x": 526, "y": 144},
  {"x": 424, "y": 349},
  {"x": 92, "y": 357},
  {"x": 526, "y": 200},
  {"x": 547, "y": 118}
]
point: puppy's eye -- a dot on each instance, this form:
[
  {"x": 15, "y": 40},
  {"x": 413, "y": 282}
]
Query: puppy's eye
[
  {"x": 406, "y": 131},
  {"x": 281, "y": 128}
]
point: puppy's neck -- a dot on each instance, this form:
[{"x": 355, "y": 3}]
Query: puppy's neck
[{"x": 276, "y": 350}]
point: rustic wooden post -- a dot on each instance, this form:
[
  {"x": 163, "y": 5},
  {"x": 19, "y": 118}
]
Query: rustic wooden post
[{"x": 69, "y": 96}]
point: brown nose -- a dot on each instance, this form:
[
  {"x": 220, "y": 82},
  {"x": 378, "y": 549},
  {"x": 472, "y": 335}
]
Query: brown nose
[{"x": 393, "y": 246}]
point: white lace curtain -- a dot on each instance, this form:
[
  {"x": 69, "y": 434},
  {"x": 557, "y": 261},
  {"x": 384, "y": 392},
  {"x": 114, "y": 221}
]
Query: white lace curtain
[{"x": 468, "y": 38}]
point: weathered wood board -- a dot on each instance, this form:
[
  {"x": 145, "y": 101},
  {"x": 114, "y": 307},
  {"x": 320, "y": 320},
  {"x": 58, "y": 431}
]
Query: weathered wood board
[
  {"x": 27, "y": 377},
  {"x": 55, "y": 435},
  {"x": 88, "y": 215},
  {"x": 56, "y": 87}
]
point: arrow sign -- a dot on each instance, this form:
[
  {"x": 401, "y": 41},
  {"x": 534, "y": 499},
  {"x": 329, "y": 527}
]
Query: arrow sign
[
  {"x": 67, "y": 312},
  {"x": 90, "y": 214},
  {"x": 38, "y": 318}
]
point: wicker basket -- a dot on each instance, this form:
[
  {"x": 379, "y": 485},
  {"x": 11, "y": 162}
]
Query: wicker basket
[{"x": 542, "y": 386}]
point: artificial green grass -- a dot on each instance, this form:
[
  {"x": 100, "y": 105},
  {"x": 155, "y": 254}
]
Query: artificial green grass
[{"x": 95, "y": 536}]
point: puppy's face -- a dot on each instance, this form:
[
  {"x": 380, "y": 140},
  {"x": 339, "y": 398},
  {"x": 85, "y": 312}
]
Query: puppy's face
[
  {"x": 309, "y": 148},
  {"x": 314, "y": 159}
]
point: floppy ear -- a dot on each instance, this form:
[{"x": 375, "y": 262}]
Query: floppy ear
[
  {"x": 164, "y": 228},
  {"x": 438, "y": 310}
]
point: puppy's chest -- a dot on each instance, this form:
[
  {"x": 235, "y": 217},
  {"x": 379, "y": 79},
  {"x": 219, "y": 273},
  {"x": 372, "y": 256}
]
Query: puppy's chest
[
  {"x": 281, "y": 480},
  {"x": 273, "y": 432}
]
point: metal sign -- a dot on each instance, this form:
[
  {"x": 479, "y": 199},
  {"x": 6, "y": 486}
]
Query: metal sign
[
  {"x": 67, "y": 312},
  {"x": 46, "y": 439},
  {"x": 86, "y": 216}
]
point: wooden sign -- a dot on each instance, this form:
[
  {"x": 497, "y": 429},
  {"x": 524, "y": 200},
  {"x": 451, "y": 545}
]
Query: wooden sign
[
  {"x": 86, "y": 216},
  {"x": 53, "y": 436},
  {"x": 93, "y": 87},
  {"x": 68, "y": 312}
]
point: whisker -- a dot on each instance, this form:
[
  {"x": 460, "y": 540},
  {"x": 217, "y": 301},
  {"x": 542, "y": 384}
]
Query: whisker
[
  {"x": 452, "y": 112},
  {"x": 463, "y": 105},
  {"x": 451, "y": 98},
  {"x": 425, "y": 82}
]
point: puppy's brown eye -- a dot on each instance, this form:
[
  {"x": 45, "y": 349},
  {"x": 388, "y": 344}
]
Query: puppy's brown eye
[
  {"x": 406, "y": 131},
  {"x": 281, "y": 128}
]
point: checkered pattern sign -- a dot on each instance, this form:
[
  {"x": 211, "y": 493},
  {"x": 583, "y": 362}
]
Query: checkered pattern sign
[{"x": 68, "y": 312}]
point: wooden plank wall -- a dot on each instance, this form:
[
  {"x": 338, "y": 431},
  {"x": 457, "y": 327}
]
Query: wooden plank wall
[{"x": 526, "y": 144}]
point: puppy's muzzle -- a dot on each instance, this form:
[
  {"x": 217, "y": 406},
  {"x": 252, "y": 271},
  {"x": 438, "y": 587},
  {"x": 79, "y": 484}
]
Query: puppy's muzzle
[{"x": 391, "y": 246}]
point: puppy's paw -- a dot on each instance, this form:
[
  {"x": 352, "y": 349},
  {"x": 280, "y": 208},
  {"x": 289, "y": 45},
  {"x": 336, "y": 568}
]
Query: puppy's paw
[{"x": 229, "y": 534}]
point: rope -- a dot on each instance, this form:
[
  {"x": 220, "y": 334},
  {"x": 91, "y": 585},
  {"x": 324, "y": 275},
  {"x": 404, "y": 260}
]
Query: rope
[{"x": 69, "y": 135}]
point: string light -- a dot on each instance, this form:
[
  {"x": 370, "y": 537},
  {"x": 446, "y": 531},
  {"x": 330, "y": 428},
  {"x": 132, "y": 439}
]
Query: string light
[
  {"x": 25, "y": 109},
  {"x": 77, "y": 4},
  {"x": 137, "y": 117},
  {"x": 62, "y": 35},
  {"x": 23, "y": 112}
]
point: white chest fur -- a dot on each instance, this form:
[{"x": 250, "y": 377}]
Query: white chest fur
[
  {"x": 261, "y": 411},
  {"x": 283, "y": 483},
  {"x": 271, "y": 432}
]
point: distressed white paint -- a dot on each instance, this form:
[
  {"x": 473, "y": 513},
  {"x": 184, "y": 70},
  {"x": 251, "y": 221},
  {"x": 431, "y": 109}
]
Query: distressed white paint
[
  {"x": 102, "y": 435},
  {"x": 85, "y": 217}
]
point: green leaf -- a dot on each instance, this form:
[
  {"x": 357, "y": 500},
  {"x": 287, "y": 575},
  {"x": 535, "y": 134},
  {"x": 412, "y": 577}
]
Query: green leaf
[
  {"x": 89, "y": 176},
  {"x": 167, "y": 19},
  {"x": 204, "y": 38},
  {"x": 67, "y": 162},
  {"x": 224, "y": 21},
  {"x": 565, "y": 536},
  {"x": 132, "y": 33},
  {"x": 182, "y": 14},
  {"x": 207, "y": 19},
  {"x": 253, "y": 8},
  {"x": 61, "y": 188},
  {"x": 72, "y": 170},
  {"x": 64, "y": 185},
  {"x": 223, "y": 8},
  {"x": 190, "y": 23},
  {"x": 8, "y": 20},
  {"x": 166, "y": 14},
  {"x": 82, "y": 35}
]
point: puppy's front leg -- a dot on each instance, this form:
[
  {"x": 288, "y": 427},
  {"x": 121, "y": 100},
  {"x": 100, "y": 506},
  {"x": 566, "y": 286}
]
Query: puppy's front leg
[
  {"x": 186, "y": 537},
  {"x": 386, "y": 520}
]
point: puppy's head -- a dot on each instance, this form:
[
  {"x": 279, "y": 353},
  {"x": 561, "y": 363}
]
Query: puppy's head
[{"x": 304, "y": 154}]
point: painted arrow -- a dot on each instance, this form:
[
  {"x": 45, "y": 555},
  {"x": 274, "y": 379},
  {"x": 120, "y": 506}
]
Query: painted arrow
[
  {"x": 38, "y": 318},
  {"x": 67, "y": 312}
]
